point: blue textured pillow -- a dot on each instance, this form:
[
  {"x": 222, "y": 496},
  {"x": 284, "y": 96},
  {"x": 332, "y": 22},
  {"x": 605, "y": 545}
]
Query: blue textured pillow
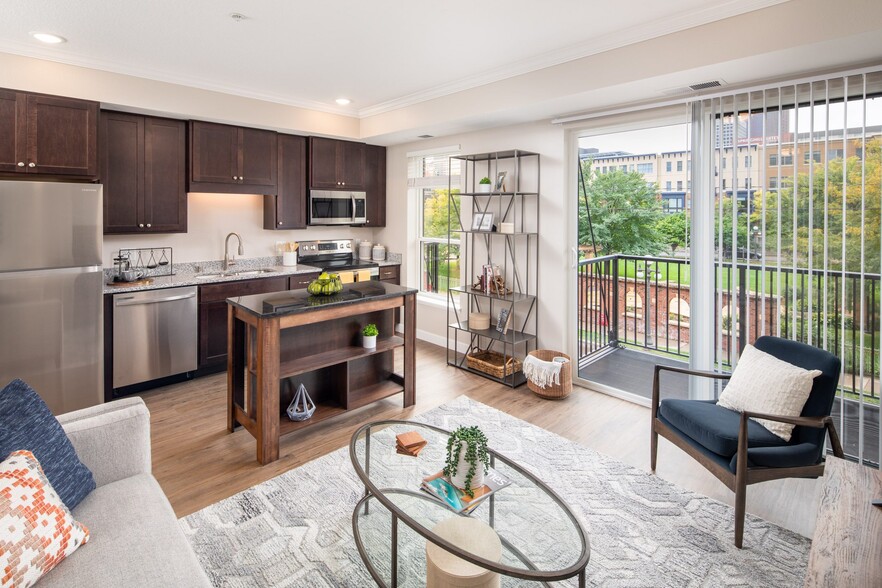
[{"x": 27, "y": 423}]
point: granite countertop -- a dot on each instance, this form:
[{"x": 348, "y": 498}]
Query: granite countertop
[
  {"x": 277, "y": 304},
  {"x": 210, "y": 272}
]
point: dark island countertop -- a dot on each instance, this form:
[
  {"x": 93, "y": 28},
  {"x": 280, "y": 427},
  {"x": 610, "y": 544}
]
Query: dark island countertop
[{"x": 276, "y": 304}]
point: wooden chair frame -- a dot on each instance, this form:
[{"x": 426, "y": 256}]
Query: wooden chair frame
[{"x": 744, "y": 475}]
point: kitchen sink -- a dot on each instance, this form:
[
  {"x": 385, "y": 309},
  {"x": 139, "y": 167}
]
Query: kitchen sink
[{"x": 242, "y": 273}]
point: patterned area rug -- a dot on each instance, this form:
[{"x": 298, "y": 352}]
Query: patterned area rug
[{"x": 295, "y": 530}]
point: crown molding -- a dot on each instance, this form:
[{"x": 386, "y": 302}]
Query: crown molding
[{"x": 636, "y": 34}]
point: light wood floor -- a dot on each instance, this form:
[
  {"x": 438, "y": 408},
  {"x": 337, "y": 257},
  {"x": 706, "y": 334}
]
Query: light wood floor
[{"x": 198, "y": 462}]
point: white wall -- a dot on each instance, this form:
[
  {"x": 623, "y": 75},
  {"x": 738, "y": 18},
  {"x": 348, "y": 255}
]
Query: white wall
[
  {"x": 554, "y": 233},
  {"x": 211, "y": 217}
]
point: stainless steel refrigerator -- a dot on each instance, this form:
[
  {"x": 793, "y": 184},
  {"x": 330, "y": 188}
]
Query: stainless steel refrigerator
[{"x": 51, "y": 280}]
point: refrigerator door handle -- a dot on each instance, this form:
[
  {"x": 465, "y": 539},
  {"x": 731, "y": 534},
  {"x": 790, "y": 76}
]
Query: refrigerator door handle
[
  {"x": 51, "y": 272},
  {"x": 132, "y": 300}
]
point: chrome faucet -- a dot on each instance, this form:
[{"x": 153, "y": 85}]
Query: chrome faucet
[{"x": 227, "y": 262}]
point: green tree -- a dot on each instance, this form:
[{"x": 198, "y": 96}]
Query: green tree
[
  {"x": 861, "y": 178},
  {"x": 435, "y": 213},
  {"x": 673, "y": 228},
  {"x": 625, "y": 211},
  {"x": 740, "y": 231}
]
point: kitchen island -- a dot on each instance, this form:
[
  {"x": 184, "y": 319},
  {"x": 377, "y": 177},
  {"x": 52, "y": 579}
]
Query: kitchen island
[{"x": 280, "y": 340}]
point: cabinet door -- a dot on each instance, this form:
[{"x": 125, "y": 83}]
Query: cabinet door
[
  {"x": 350, "y": 165},
  {"x": 257, "y": 159},
  {"x": 62, "y": 136},
  {"x": 165, "y": 177},
  {"x": 323, "y": 163},
  {"x": 390, "y": 273},
  {"x": 13, "y": 131},
  {"x": 288, "y": 209},
  {"x": 300, "y": 281},
  {"x": 214, "y": 153},
  {"x": 122, "y": 171},
  {"x": 375, "y": 185}
]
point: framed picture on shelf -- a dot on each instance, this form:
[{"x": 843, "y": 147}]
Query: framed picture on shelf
[
  {"x": 477, "y": 219},
  {"x": 503, "y": 321},
  {"x": 500, "y": 182},
  {"x": 486, "y": 222}
]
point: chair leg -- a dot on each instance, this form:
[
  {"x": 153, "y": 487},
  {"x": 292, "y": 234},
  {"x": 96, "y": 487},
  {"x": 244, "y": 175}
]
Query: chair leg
[
  {"x": 653, "y": 446},
  {"x": 740, "y": 503}
]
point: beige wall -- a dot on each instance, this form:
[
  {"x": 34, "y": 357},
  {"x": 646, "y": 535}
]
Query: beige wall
[{"x": 554, "y": 225}]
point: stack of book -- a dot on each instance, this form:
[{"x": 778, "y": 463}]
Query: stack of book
[
  {"x": 410, "y": 443},
  {"x": 439, "y": 487}
]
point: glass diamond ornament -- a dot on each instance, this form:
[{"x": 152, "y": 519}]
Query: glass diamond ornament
[{"x": 302, "y": 406}]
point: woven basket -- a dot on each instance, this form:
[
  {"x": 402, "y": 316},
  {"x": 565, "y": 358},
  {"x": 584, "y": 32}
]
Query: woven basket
[
  {"x": 493, "y": 363},
  {"x": 554, "y": 391}
]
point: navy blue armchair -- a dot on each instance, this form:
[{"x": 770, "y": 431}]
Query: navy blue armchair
[{"x": 739, "y": 451}]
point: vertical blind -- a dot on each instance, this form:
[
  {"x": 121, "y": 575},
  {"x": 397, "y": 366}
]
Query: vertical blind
[{"x": 798, "y": 210}]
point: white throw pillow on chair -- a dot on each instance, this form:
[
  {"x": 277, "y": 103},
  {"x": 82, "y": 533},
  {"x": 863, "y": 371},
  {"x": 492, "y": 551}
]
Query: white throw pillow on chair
[{"x": 764, "y": 383}]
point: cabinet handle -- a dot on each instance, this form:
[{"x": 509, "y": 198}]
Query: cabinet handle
[
  {"x": 148, "y": 225},
  {"x": 32, "y": 164},
  {"x": 342, "y": 183},
  {"x": 140, "y": 225},
  {"x": 20, "y": 164},
  {"x": 280, "y": 223},
  {"x": 235, "y": 178},
  {"x": 241, "y": 178}
]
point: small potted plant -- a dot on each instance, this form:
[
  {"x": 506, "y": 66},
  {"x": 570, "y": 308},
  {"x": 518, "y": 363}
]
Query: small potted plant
[
  {"x": 369, "y": 336},
  {"x": 467, "y": 459},
  {"x": 484, "y": 185}
]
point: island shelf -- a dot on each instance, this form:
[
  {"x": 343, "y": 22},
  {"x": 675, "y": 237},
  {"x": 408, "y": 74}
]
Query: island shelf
[{"x": 281, "y": 340}]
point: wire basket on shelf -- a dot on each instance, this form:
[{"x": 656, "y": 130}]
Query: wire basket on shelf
[{"x": 493, "y": 362}]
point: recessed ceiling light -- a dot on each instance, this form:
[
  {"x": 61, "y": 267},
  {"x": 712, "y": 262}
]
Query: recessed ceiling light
[
  {"x": 48, "y": 38},
  {"x": 343, "y": 101}
]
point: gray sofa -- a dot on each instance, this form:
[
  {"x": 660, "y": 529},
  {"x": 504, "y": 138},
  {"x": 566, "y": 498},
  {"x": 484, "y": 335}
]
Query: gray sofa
[{"x": 135, "y": 537}]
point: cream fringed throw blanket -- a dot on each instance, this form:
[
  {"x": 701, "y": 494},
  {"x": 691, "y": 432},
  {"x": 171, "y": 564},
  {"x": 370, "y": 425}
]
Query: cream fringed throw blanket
[{"x": 541, "y": 373}]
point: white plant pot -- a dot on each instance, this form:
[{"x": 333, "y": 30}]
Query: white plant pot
[
  {"x": 484, "y": 188},
  {"x": 462, "y": 469},
  {"x": 369, "y": 341}
]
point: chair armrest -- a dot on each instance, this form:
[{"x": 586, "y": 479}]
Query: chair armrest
[
  {"x": 814, "y": 422},
  {"x": 112, "y": 439},
  {"x": 689, "y": 372}
]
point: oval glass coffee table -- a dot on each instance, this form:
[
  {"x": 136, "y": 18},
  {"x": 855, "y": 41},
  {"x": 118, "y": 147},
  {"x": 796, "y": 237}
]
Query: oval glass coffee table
[{"x": 541, "y": 539}]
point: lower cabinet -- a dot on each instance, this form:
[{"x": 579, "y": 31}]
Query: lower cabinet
[
  {"x": 300, "y": 281},
  {"x": 213, "y": 316},
  {"x": 390, "y": 273}
]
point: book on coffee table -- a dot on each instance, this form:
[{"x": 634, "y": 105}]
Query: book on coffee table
[{"x": 439, "y": 487}]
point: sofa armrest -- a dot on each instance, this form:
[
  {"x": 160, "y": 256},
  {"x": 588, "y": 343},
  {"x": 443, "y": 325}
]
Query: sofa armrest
[{"x": 112, "y": 439}]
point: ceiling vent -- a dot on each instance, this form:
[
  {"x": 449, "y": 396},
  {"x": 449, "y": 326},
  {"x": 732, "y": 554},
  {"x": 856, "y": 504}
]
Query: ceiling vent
[
  {"x": 706, "y": 85},
  {"x": 425, "y": 136}
]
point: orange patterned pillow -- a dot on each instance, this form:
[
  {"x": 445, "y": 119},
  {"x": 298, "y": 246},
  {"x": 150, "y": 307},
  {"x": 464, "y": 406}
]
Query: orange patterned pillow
[{"x": 36, "y": 530}]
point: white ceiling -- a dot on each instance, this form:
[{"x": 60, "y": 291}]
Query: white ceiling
[{"x": 382, "y": 54}]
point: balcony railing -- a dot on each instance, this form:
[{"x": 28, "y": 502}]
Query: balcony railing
[{"x": 643, "y": 303}]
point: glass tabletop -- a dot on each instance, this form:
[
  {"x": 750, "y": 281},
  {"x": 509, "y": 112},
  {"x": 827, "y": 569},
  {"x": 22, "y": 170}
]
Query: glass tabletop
[{"x": 540, "y": 536}]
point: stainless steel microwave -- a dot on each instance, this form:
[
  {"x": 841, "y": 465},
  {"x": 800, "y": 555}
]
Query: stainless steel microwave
[{"x": 333, "y": 207}]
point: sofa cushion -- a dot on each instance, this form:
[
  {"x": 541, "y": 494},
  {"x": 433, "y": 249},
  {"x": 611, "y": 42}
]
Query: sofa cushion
[
  {"x": 763, "y": 383},
  {"x": 713, "y": 426},
  {"x": 26, "y": 423},
  {"x": 136, "y": 541},
  {"x": 36, "y": 530}
]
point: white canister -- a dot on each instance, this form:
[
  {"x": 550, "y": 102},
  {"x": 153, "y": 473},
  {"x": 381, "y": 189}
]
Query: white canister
[
  {"x": 289, "y": 258},
  {"x": 364, "y": 250},
  {"x": 379, "y": 253}
]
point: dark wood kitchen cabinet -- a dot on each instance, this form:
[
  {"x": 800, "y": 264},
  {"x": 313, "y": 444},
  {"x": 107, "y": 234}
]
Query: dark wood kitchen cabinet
[
  {"x": 48, "y": 135},
  {"x": 375, "y": 184},
  {"x": 232, "y": 160},
  {"x": 336, "y": 165},
  {"x": 390, "y": 273},
  {"x": 287, "y": 209},
  {"x": 300, "y": 281},
  {"x": 213, "y": 316},
  {"x": 143, "y": 168}
]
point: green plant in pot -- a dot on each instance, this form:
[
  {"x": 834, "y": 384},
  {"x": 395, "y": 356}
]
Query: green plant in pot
[
  {"x": 467, "y": 459},
  {"x": 369, "y": 336},
  {"x": 484, "y": 184}
]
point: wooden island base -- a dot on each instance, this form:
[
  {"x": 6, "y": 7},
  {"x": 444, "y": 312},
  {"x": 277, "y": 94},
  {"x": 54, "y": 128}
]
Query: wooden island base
[{"x": 272, "y": 350}]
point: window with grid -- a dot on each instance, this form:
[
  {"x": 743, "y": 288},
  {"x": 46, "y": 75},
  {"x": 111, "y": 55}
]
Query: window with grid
[{"x": 429, "y": 181}]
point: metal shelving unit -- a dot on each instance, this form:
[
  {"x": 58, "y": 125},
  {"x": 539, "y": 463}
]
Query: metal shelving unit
[{"x": 515, "y": 253}]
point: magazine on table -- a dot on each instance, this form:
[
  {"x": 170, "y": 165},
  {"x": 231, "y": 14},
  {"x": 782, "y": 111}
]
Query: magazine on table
[{"x": 440, "y": 488}]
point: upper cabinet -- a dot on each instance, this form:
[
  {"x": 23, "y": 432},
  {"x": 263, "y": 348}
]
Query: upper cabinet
[
  {"x": 143, "y": 169},
  {"x": 48, "y": 135},
  {"x": 287, "y": 209},
  {"x": 231, "y": 159},
  {"x": 375, "y": 184},
  {"x": 336, "y": 164}
]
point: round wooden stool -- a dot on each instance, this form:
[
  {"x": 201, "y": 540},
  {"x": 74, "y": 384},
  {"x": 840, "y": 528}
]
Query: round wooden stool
[{"x": 445, "y": 570}]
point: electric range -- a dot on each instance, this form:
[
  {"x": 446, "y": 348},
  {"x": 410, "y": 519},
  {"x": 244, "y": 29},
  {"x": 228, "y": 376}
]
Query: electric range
[{"x": 337, "y": 255}]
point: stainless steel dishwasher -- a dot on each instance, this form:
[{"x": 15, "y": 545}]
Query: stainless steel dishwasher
[{"x": 154, "y": 334}]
